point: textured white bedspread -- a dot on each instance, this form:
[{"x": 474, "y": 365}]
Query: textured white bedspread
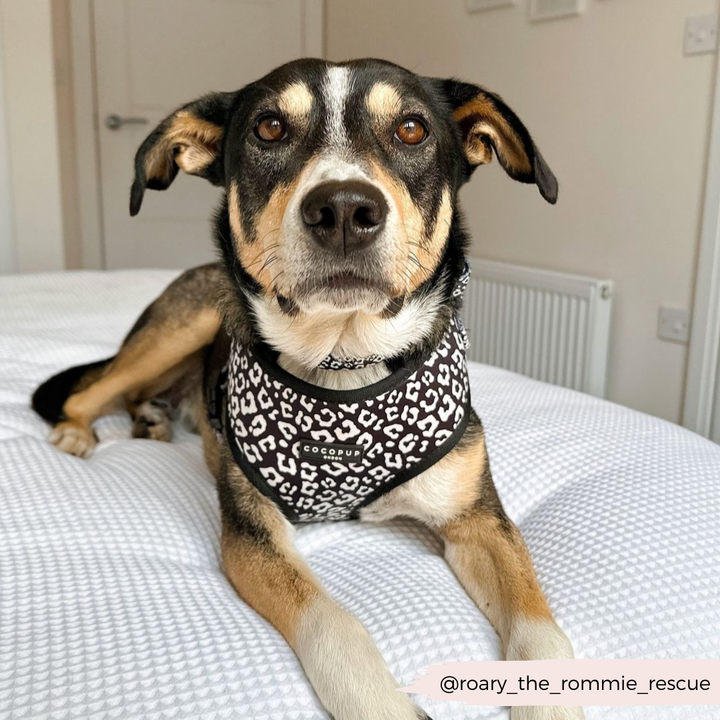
[{"x": 113, "y": 605}]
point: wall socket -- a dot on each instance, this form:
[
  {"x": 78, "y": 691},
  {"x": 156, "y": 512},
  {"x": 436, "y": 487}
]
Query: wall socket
[
  {"x": 701, "y": 34},
  {"x": 674, "y": 325}
]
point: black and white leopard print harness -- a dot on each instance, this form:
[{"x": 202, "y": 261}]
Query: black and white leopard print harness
[{"x": 324, "y": 454}]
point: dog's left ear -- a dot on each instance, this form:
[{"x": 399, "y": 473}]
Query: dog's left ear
[
  {"x": 191, "y": 139},
  {"x": 488, "y": 124}
]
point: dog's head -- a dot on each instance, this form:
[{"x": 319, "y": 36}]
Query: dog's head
[{"x": 341, "y": 179}]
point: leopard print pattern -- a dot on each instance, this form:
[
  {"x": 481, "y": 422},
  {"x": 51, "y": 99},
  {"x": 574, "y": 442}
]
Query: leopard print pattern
[{"x": 368, "y": 445}]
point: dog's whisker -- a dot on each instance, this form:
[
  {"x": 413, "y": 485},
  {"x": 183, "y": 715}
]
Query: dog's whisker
[
  {"x": 414, "y": 259},
  {"x": 268, "y": 234},
  {"x": 262, "y": 258},
  {"x": 273, "y": 282},
  {"x": 269, "y": 262}
]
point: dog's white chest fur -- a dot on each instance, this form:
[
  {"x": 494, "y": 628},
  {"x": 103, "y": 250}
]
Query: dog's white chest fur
[{"x": 305, "y": 340}]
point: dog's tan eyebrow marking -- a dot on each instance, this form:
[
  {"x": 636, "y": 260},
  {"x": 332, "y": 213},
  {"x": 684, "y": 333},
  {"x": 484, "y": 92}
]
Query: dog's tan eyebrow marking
[
  {"x": 296, "y": 101},
  {"x": 383, "y": 101}
]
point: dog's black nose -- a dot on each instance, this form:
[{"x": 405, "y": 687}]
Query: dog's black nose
[{"x": 344, "y": 216}]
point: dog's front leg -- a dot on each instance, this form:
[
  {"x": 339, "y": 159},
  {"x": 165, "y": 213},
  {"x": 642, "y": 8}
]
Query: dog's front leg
[
  {"x": 339, "y": 658},
  {"x": 489, "y": 557}
]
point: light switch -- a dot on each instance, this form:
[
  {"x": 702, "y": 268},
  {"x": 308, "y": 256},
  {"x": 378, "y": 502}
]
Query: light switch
[
  {"x": 701, "y": 34},
  {"x": 674, "y": 325}
]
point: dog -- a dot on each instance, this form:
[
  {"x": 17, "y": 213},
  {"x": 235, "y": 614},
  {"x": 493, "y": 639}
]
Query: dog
[{"x": 342, "y": 264}]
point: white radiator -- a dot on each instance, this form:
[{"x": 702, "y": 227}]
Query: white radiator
[{"x": 548, "y": 325}]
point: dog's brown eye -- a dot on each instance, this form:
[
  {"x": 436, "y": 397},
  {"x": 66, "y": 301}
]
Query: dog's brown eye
[
  {"x": 411, "y": 131},
  {"x": 270, "y": 128}
]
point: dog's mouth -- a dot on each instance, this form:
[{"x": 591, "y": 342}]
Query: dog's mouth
[
  {"x": 344, "y": 290},
  {"x": 350, "y": 281},
  {"x": 341, "y": 282}
]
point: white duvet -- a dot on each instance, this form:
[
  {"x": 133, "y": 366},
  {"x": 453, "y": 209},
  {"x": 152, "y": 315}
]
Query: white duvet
[{"x": 113, "y": 605}]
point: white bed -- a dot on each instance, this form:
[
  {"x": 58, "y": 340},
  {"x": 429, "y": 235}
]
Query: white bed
[{"x": 113, "y": 605}]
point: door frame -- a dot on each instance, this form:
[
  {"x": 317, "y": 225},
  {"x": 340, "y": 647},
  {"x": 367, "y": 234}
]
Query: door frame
[
  {"x": 8, "y": 259},
  {"x": 703, "y": 369},
  {"x": 92, "y": 240}
]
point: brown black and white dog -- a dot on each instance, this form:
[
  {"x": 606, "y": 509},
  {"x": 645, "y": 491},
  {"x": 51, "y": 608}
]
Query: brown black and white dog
[{"x": 340, "y": 236}]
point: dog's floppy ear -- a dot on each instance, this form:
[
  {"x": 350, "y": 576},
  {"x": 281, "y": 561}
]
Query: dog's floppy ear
[
  {"x": 488, "y": 124},
  {"x": 191, "y": 139}
]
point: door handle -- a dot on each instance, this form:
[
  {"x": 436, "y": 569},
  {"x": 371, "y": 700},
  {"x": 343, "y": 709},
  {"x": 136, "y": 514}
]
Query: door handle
[{"x": 115, "y": 122}]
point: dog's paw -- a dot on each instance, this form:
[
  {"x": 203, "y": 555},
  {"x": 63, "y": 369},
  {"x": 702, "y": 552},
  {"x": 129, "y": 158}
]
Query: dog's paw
[
  {"x": 73, "y": 439},
  {"x": 152, "y": 421},
  {"x": 537, "y": 712}
]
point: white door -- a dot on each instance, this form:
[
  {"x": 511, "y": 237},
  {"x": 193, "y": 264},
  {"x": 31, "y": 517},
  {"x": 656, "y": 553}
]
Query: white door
[{"x": 151, "y": 57}]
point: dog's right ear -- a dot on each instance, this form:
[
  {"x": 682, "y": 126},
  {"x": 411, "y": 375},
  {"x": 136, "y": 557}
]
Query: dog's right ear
[{"x": 191, "y": 139}]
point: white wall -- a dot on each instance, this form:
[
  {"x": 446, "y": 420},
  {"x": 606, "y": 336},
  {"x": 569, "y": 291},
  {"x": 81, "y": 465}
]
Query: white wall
[
  {"x": 622, "y": 118},
  {"x": 26, "y": 46}
]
